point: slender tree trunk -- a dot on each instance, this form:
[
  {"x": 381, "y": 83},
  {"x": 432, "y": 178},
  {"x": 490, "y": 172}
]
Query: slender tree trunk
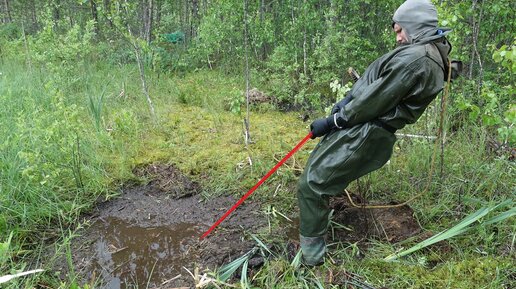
[
  {"x": 195, "y": 18},
  {"x": 7, "y": 9},
  {"x": 304, "y": 52},
  {"x": 34, "y": 15},
  {"x": 142, "y": 78},
  {"x": 71, "y": 12},
  {"x": 27, "y": 51},
  {"x": 186, "y": 22},
  {"x": 246, "y": 121},
  {"x": 158, "y": 12},
  {"x": 107, "y": 11},
  {"x": 95, "y": 17},
  {"x": 143, "y": 19},
  {"x": 262, "y": 20},
  {"x": 141, "y": 68},
  {"x": 475, "y": 45},
  {"x": 56, "y": 13},
  {"x": 474, "y": 35},
  {"x": 305, "y": 70},
  {"x": 148, "y": 25},
  {"x": 475, "y": 55}
]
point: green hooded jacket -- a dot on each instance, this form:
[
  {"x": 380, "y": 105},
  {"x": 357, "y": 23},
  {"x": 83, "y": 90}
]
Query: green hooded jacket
[
  {"x": 397, "y": 87},
  {"x": 393, "y": 91}
]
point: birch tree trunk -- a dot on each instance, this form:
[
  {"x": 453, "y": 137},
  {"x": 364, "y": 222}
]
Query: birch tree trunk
[
  {"x": 141, "y": 68},
  {"x": 246, "y": 121},
  {"x": 148, "y": 15},
  {"x": 473, "y": 33},
  {"x": 7, "y": 15}
]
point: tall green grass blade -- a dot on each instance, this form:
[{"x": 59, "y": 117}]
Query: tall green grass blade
[
  {"x": 316, "y": 281},
  {"x": 95, "y": 105},
  {"x": 261, "y": 244},
  {"x": 501, "y": 217},
  {"x": 244, "y": 282},
  {"x": 457, "y": 229},
  {"x": 150, "y": 275},
  {"x": 297, "y": 260},
  {"x": 498, "y": 218},
  {"x": 226, "y": 271},
  {"x": 4, "y": 249},
  {"x": 69, "y": 256}
]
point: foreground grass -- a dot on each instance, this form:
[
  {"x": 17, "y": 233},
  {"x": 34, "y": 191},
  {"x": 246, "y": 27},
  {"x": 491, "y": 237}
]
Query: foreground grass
[{"x": 63, "y": 147}]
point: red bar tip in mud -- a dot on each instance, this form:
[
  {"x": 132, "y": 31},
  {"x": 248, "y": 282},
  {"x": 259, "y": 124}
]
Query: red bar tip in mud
[{"x": 295, "y": 149}]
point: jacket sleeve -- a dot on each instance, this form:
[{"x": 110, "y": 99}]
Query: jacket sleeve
[{"x": 373, "y": 100}]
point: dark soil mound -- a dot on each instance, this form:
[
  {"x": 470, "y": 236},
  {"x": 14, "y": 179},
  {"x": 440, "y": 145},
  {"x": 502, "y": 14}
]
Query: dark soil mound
[{"x": 167, "y": 179}]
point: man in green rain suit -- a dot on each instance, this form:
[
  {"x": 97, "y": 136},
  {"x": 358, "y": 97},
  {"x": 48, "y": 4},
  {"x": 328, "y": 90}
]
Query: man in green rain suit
[{"x": 358, "y": 136}]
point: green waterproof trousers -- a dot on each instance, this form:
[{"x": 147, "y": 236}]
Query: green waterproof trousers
[{"x": 339, "y": 158}]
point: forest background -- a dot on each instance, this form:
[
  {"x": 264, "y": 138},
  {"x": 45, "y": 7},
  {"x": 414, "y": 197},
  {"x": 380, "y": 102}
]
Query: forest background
[{"x": 90, "y": 89}]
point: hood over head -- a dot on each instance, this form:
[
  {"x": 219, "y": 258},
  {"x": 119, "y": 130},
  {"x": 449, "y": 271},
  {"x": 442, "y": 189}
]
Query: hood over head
[{"x": 418, "y": 18}]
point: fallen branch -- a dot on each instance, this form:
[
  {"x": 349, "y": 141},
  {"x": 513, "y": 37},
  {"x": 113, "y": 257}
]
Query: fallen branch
[
  {"x": 429, "y": 137},
  {"x": 170, "y": 280}
]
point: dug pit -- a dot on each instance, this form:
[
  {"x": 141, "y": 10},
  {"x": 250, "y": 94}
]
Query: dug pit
[
  {"x": 351, "y": 224},
  {"x": 386, "y": 224},
  {"x": 149, "y": 236}
]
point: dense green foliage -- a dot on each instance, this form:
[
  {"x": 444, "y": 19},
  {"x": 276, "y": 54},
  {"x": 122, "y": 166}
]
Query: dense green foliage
[
  {"x": 74, "y": 120},
  {"x": 295, "y": 47}
]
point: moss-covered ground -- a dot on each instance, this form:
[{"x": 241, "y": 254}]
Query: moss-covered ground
[{"x": 63, "y": 148}]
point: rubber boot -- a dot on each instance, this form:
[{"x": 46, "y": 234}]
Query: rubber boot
[{"x": 313, "y": 250}]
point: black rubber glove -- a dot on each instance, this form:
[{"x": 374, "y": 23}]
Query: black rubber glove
[
  {"x": 322, "y": 126},
  {"x": 336, "y": 108}
]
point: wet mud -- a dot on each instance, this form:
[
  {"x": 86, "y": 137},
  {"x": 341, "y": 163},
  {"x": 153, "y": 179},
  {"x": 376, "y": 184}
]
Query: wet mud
[{"x": 149, "y": 236}]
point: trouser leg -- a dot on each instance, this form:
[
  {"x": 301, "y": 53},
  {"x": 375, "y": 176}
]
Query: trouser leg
[
  {"x": 338, "y": 159},
  {"x": 314, "y": 212},
  {"x": 313, "y": 215},
  {"x": 314, "y": 209}
]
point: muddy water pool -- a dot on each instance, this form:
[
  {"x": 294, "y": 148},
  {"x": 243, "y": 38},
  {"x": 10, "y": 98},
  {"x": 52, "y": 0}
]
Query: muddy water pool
[{"x": 127, "y": 255}]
